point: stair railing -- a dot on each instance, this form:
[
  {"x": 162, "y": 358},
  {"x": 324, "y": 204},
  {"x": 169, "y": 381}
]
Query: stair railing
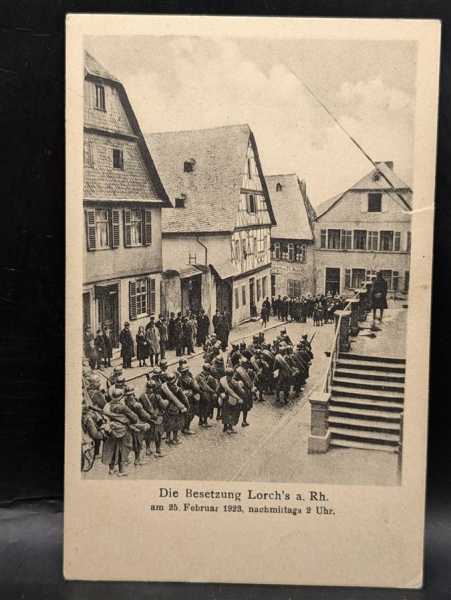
[{"x": 334, "y": 351}]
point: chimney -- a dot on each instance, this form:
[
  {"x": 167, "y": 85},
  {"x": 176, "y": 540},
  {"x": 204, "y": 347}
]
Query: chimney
[{"x": 389, "y": 163}]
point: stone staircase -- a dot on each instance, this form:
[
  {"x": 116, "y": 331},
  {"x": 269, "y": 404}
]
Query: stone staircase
[{"x": 367, "y": 398}]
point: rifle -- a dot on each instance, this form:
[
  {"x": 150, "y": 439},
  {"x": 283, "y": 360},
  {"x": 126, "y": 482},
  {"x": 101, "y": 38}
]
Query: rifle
[{"x": 311, "y": 339}]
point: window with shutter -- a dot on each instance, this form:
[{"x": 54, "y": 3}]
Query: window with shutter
[
  {"x": 91, "y": 229},
  {"x": 323, "y": 238},
  {"x": 397, "y": 241},
  {"x": 147, "y": 227},
  {"x": 151, "y": 296},
  {"x": 127, "y": 227},
  {"x": 132, "y": 300},
  {"x": 115, "y": 229}
]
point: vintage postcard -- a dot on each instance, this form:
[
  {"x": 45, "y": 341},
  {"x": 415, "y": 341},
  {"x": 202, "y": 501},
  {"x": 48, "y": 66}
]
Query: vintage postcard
[{"x": 250, "y": 208}]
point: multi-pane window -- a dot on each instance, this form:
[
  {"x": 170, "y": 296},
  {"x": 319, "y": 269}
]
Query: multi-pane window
[
  {"x": 359, "y": 239},
  {"x": 374, "y": 202},
  {"x": 136, "y": 227},
  {"x": 264, "y": 287},
  {"x": 243, "y": 248},
  {"x": 354, "y": 278},
  {"x": 102, "y": 229},
  {"x": 141, "y": 297},
  {"x": 406, "y": 281},
  {"x": 277, "y": 250},
  {"x": 323, "y": 238},
  {"x": 259, "y": 289},
  {"x": 118, "y": 158},
  {"x": 386, "y": 241},
  {"x": 243, "y": 295},
  {"x": 333, "y": 239},
  {"x": 294, "y": 288},
  {"x": 346, "y": 239},
  {"x": 100, "y": 97},
  {"x": 373, "y": 240},
  {"x": 392, "y": 279},
  {"x": 397, "y": 241},
  {"x": 300, "y": 253},
  {"x": 237, "y": 298},
  {"x": 291, "y": 252}
]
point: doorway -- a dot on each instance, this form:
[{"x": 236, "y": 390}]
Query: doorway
[
  {"x": 224, "y": 296},
  {"x": 191, "y": 294},
  {"x": 332, "y": 281},
  {"x": 253, "y": 308},
  {"x": 86, "y": 310},
  {"x": 109, "y": 310}
]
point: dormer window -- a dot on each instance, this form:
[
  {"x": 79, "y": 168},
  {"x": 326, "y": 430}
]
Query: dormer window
[
  {"x": 188, "y": 165},
  {"x": 100, "y": 97},
  {"x": 180, "y": 201},
  {"x": 251, "y": 203},
  {"x": 279, "y": 187}
]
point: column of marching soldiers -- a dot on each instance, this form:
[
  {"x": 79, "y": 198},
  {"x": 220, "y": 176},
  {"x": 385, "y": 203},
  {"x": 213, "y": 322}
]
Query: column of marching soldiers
[{"x": 115, "y": 422}]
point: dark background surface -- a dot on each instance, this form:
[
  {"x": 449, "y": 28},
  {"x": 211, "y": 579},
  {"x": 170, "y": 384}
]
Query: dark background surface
[{"x": 32, "y": 304}]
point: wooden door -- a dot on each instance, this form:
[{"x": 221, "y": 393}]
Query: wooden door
[{"x": 109, "y": 312}]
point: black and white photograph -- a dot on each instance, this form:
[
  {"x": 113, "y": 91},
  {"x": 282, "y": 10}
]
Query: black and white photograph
[{"x": 247, "y": 242}]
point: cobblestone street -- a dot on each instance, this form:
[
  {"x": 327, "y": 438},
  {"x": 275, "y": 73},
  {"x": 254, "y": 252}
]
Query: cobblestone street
[{"x": 274, "y": 447}]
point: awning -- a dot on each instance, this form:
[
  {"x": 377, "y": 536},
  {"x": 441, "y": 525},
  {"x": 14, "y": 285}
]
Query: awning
[
  {"x": 226, "y": 269},
  {"x": 191, "y": 271},
  {"x": 100, "y": 289}
]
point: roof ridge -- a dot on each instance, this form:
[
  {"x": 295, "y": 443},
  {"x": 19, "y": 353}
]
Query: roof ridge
[
  {"x": 282, "y": 175},
  {"x": 236, "y": 125}
]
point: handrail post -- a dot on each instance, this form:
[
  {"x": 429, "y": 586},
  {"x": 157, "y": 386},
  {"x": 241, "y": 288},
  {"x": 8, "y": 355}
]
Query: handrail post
[
  {"x": 342, "y": 324},
  {"x": 353, "y": 306},
  {"x": 319, "y": 438}
]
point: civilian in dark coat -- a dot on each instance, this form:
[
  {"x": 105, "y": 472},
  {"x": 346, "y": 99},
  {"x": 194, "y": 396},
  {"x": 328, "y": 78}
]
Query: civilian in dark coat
[
  {"x": 203, "y": 327},
  {"x": 178, "y": 335},
  {"x": 127, "y": 346},
  {"x": 379, "y": 295},
  {"x": 142, "y": 346},
  {"x": 108, "y": 346},
  {"x": 100, "y": 349},
  {"x": 171, "y": 334}
]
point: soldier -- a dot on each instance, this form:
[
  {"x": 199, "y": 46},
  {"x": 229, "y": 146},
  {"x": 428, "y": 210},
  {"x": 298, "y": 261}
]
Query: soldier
[
  {"x": 163, "y": 365},
  {"x": 283, "y": 373},
  {"x": 258, "y": 367},
  {"x": 154, "y": 405},
  {"x": 244, "y": 374},
  {"x": 217, "y": 371},
  {"x": 231, "y": 402},
  {"x": 192, "y": 392},
  {"x": 285, "y": 337},
  {"x": 234, "y": 356},
  {"x": 267, "y": 358},
  {"x": 207, "y": 388},
  {"x": 177, "y": 407},
  {"x": 139, "y": 429},
  {"x": 117, "y": 446}
]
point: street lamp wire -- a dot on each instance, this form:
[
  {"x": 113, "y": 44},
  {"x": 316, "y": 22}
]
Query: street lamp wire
[{"x": 347, "y": 133}]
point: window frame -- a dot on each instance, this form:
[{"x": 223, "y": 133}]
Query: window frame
[
  {"x": 243, "y": 295},
  {"x": 118, "y": 152},
  {"x": 359, "y": 238},
  {"x": 333, "y": 238},
  {"x": 142, "y": 296},
  {"x": 291, "y": 253},
  {"x": 346, "y": 239},
  {"x": 100, "y": 98},
  {"x": 384, "y": 238},
  {"x": 373, "y": 241},
  {"x": 374, "y": 196}
]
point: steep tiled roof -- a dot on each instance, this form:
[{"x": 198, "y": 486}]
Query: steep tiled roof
[
  {"x": 291, "y": 209},
  {"x": 381, "y": 179},
  {"x": 212, "y": 189},
  {"x": 94, "y": 68}
]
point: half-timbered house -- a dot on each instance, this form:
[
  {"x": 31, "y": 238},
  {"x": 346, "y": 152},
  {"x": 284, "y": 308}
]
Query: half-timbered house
[
  {"x": 123, "y": 198},
  {"x": 216, "y": 239},
  {"x": 292, "y": 271}
]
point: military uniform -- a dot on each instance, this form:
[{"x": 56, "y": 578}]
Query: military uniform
[{"x": 231, "y": 402}]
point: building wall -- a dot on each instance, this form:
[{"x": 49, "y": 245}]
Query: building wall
[
  {"x": 302, "y": 272},
  {"x": 351, "y": 213},
  {"x": 123, "y": 303},
  {"x": 243, "y": 313},
  {"x": 122, "y": 261},
  {"x": 177, "y": 250}
]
